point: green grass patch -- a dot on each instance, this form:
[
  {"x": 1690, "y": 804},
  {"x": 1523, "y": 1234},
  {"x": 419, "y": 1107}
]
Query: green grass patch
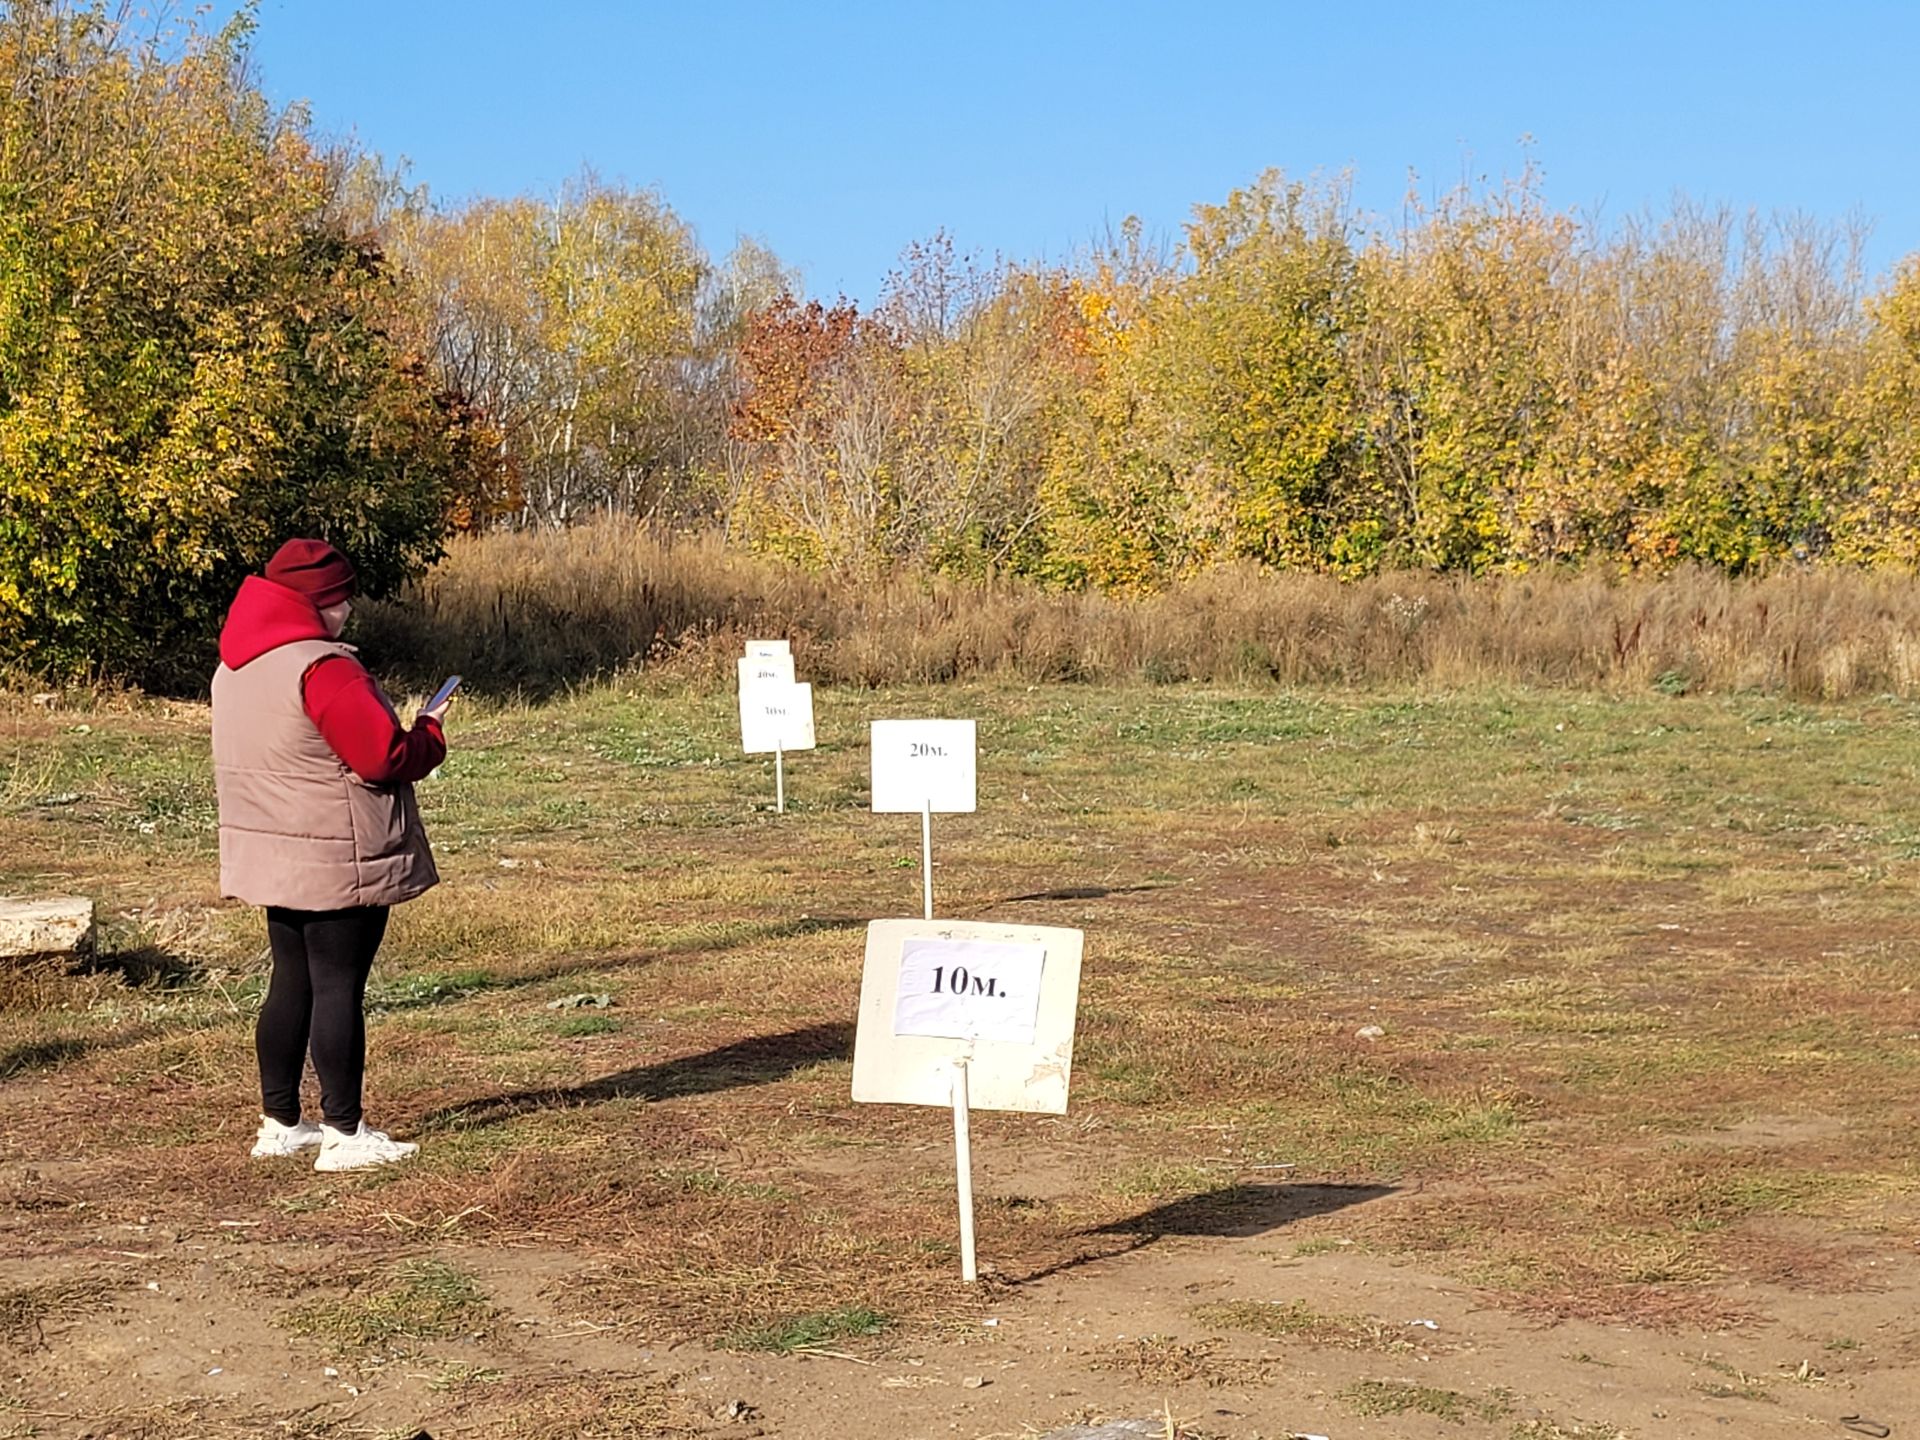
[
  {"x": 459, "y": 1375},
  {"x": 1737, "y": 1384},
  {"x": 414, "y": 992},
  {"x": 419, "y": 1300},
  {"x": 1397, "y": 1397},
  {"x": 1307, "y": 1249},
  {"x": 575, "y": 1026},
  {"x": 713, "y": 1182},
  {"x": 1296, "y": 1320},
  {"x": 802, "y": 1332}
]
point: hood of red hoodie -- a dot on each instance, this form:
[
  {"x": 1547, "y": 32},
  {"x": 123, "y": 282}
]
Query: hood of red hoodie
[{"x": 264, "y": 616}]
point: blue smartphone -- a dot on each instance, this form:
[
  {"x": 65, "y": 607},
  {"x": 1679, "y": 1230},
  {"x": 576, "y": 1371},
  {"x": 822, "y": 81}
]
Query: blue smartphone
[{"x": 441, "y": 695}]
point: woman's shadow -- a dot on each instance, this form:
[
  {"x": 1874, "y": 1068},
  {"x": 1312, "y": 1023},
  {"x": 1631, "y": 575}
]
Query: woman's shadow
[{"x": 758, "y": 1060}]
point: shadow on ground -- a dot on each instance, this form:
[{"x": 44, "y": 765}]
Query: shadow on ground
[
  {"x": 1232, "y": 1212},
  {"x": 760, "y": 1060},
  {"x": 146, "y": 967},
  {"x": 41, "y": 1055},
  {"x": 416, "y": 990},
  {"x": 150, "y": 966},
  {"x": 1082, "y": 892},
  {"x": 1240, "y": 1212}
]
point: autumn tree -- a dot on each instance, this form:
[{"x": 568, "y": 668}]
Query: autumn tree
[
  {"x": 819, "y": 414},
  {"x": 708, "y": 460},
  {"x": 1878, "y": 523},
  {"x": 1119, "y": 513},
  {"x": 567, "y": 321},
  {"x": 1250, "y": 359},
  {"x": 1465, "y": 367},
  {"x": 196, "y": 360},
  {"x": 988, "y": 358},
  {"x": 1797, "y": 349}
]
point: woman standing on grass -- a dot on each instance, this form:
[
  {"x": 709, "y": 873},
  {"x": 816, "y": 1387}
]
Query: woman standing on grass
[{"x": 318, "y": 824}]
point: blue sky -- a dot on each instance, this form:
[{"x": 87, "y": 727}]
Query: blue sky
[{"x": 837, "y": 133}]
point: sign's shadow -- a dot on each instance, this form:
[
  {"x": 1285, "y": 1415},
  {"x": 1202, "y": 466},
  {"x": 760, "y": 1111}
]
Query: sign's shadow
[
  {"x": 1242, "y": 1212},
  {"x": 1231, "y": 1212}
]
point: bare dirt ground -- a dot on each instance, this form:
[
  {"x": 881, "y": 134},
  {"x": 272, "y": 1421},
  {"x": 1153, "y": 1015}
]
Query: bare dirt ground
[
  {"x": 1630, "y": 1154},
  {"x": 176, "y": 1338}
]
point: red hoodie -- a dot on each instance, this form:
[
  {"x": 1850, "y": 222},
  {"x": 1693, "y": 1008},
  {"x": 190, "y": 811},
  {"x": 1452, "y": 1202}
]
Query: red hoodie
[{"x": 340, "y": 697}]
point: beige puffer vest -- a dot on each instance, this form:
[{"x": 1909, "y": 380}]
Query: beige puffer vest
[{"x": 297, "y": 827}]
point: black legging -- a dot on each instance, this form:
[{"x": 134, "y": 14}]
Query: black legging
[{"x": 321, "y": 959}]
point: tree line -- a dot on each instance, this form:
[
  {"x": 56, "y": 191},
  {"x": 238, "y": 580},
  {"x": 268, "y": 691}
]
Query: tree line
[
  {"x": 1494, "y": 385},
  {"x": 216, "y": 329}
]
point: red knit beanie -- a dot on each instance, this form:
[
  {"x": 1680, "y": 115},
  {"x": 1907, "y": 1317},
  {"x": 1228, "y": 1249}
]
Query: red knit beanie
[{"x": 315, "y": 569}]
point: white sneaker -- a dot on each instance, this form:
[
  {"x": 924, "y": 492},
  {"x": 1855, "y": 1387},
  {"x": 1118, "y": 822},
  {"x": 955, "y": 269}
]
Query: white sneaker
[
  {"x": 341, "y": 1151},
  {"x": 276, "y": 1140}
]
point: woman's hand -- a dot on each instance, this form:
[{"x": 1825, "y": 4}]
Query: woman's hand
[{"x": 438, "y": 713}]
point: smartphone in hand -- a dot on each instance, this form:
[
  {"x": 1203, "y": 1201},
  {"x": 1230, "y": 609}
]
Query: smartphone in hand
[{"x": 441, "y": 696}]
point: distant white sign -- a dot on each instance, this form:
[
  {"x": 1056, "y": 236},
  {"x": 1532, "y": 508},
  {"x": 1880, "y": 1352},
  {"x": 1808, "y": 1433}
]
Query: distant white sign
[
  {"x": 1013, "y": 1026},
  {"x": 776, "y": 717},
  {"x": 766, "y": 670},
  {"x": 969, "y": 990},
  {"x": 923, "y": 765},
  {"x": 760, "y": 649}
]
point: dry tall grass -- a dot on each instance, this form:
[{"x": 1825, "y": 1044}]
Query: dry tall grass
[{"x": 538, "y": 611}]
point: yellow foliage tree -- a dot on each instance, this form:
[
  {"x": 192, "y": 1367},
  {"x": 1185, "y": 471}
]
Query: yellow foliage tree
[{"x": 196, "y": 358}]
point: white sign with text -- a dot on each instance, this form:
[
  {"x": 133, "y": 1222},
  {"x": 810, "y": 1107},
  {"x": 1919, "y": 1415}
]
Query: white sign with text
[
  {"x": 775, "y": 717},
  {"x": 999, "y": 998},
  {"x": 924, "y": 765},
  {"x": 761, "y": 649}
]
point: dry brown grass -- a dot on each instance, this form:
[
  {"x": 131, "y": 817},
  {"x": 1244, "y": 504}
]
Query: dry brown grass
[
  {"x": 31, "y": 985},
  {"x": 545, "y": 610},
  {"x": 1162, "y": 1360},
  {"x": 598, "y": 1408},
  {"x": 26, "y": 1310},
  {"x": 760, "y": 1272}
]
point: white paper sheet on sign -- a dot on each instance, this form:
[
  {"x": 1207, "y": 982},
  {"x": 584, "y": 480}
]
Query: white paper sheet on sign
[
  {"x": 760, "y": 649},
  {"x": 969, "y": 990}
]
